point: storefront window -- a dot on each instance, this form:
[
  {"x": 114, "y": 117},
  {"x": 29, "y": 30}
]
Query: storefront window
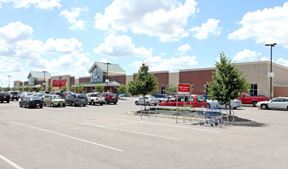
[{"x": 253, "y": 89}]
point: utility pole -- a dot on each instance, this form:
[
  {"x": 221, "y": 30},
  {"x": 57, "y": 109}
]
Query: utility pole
[
  {"x": 271, "y": 73},
  {"x": 9, "y": 76}
]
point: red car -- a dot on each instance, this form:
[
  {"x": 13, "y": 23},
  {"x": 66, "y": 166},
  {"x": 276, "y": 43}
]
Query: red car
[
  {"x": 193, "y": 101},
  {"x": 247, "y": 99}
]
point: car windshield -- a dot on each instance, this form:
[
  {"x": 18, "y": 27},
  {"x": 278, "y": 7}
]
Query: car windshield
[
  {"x": 34, "y": 98},
  {"x": 56, "y": 97},
  {"x": 80, "y": 96}
]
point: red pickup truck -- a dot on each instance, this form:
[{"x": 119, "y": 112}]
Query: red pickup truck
[{"x": 247, "y": 99}]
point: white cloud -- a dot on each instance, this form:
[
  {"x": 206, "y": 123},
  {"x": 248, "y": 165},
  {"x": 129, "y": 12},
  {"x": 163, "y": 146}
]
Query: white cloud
[
  {"x": 264, "y": 26},
  {"x": 166, "y": 19},
  {"x": 120, "y": 46},
  {"x": 20, "y": 52},
  {"x": 282, "y": 61},
  {"x": 41, "y": 4},
  {"x": 184, "y": 48},
  {"x": 209, "y": 27},
  {"x": 72, "y": 16},
  {"x": 63, "y": 45},
  {"x": 247, "y": 55},
  {"x": 15, "y": 31},
  {"x": 176, "y": 63}
]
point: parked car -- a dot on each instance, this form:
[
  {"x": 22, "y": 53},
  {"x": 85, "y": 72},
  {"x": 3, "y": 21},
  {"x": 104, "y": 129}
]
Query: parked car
[
  {"x": 110, "y": 97},
  {"x": 235, "y": 103},
  {"x": 14, "y": 96},
  {"x": 4, "y": 97},
  {"x": 191, "y": 101},
  {"x": 75, "y": 99},
  {"x": 275, "y": 103},
  {"x": 40, "y": 95},
  {"x": 53, "y": 100},
  {"x": 31, "y": 101},
  {"x": 24, "y": 94},
  {"x": 95, "y": 98},
  {"x": 247, "y": 99},
  {"x": 161, "y": 97},
  {"x": 149, "y": 100}
]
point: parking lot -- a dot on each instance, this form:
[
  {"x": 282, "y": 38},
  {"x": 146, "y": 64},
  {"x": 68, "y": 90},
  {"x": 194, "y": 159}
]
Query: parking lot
[{"x": 107, "y": 137}]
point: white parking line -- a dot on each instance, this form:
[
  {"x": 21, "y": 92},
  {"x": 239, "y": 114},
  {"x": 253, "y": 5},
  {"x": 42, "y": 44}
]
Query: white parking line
[
  {"x": 67, "y": 136},
  {"x": 131, "y": 132},
  {"x": 10, "y": 162}
]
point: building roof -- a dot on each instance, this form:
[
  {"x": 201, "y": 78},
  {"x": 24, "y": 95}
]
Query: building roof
[
  {"x": 237, "y": 64},
  {"x": 113, "y": 69},
  {"x": 39, "y": 75}
]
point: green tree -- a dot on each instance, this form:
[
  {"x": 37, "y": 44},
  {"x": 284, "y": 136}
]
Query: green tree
[
  {"x": 171, "y": 90},
  {"x": 144, "y": 83},
  {"x": 99, "y": 88},
  {"x": 122, "y": 88},
  {"x": 64, "y": 89},
  {"x": 228, "y": 82}
]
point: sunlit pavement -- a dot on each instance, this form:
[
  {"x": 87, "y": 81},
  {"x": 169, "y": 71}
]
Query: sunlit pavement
[{"x": 96, "y": 137}]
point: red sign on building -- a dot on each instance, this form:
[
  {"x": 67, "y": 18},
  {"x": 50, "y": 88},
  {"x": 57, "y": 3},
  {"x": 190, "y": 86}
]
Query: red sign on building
[
  {"x": 183, "y": 88},
  {"x": 59, "y": 83}
]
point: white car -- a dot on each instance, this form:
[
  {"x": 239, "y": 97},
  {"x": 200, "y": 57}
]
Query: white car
[
  {"x": 95, "y": 98},
  {"x": 275, "y": 103},
  {"x": 235, "y": 103},
  {"x": 149, "y": 100}
]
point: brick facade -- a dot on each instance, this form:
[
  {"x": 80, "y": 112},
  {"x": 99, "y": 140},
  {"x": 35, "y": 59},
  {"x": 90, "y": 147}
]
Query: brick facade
[
  {"x": 84, "y": 80},
  {"x": 198, "y": 78},
  {"x": 120, "y": 79}
]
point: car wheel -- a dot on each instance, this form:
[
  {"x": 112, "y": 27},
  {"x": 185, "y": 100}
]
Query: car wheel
[
  {"x": 254, "y": 103},
  {"x": 27, "y": 105},
  {"x": 101, "y": 104},
  {"x": 20, "y": 105},
  {"x": 136, "y": 102},
  {"x": 147, "y": 104},
  {"x": 234, "y": 108},
  {"x": 115, "y": 102},
  {"x": 208, "y": 106},
  {"x": 8, "y": 101},
  {"x": 264, "y": 106},
  {"x": 64, "y": 105},
  {"x": 41, "y": 106}
]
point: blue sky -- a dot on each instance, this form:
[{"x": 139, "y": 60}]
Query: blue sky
[{"x": 66, "y": 37}]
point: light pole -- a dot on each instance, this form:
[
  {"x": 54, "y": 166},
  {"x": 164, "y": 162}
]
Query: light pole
[
  {"x": 271, "y": 73},
  {"x": 9, "y": 76},
  {"x": 107, "y": 80},
  {"x": 44, "y": 83}
]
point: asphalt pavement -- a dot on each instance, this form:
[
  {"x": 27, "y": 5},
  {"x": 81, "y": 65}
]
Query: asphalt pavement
[{"x": 108, "y": 137}]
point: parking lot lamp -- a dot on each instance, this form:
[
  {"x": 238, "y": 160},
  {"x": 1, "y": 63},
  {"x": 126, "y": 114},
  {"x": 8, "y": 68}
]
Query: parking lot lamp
[
  {"x": 44, "y": 83},
  {"x": 107, "y": 79},
  {"x": 271, "y": 73},
  {"x": 9, "y": 76}
]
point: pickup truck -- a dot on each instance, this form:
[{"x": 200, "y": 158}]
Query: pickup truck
[{"x": 247, "y": 99}]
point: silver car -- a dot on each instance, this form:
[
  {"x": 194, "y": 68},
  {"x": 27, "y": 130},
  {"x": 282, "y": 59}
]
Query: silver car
[
  {"x": 275, "y": 103},
  {"x": 149, "y": 100}
]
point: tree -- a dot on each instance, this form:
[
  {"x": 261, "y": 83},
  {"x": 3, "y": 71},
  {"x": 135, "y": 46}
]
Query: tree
[
  {"x": 171, "y": 90},
  {"x": 228, "y": 82},
  {"x": 122, "y": 88},
  {"x": 99, "y": 88},
  {"x": 144, "y": 83}
]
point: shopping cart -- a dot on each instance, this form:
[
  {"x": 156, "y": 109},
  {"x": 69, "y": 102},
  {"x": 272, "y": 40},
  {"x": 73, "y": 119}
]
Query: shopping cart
[{"x": 212, "y": 117}]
